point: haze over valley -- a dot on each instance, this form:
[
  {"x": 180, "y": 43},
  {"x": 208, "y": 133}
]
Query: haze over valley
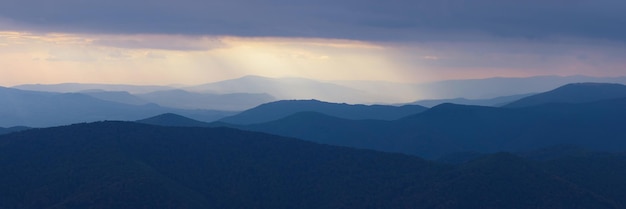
[{"x": 312, "y": 104}]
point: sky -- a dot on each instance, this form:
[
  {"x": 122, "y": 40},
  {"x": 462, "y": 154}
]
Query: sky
[{"x": 199, "y": 41}]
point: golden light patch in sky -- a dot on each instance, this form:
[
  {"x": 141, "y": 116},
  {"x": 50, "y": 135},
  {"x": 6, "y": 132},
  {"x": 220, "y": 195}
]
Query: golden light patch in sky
[
  {"x": 165, "y": 59},
  {"x": 188, "y": 60}
]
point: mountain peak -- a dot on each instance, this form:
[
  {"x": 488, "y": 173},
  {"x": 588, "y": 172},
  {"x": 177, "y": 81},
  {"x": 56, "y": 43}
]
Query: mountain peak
[{"x": 171, "y": 119}]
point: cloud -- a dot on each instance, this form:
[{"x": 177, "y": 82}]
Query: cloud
[
  {"x": 163, "y": 42},
  {"x": 412, "y": 20},
  {"x": 430, "y": 57}
]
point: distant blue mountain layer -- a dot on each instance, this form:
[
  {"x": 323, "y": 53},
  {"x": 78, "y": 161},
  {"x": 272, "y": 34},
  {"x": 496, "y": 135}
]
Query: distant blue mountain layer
[
  {"x": 43, "y": 109},
  {"x": 574, "y": 93},
  {"x": 280, "y": 109}
]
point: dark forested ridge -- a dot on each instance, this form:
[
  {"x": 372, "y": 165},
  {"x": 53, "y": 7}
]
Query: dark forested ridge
[
  {"x": 280, "y": 109},
  {"x": 569, "y": 153},
  {"x": 131, "y": 165}
]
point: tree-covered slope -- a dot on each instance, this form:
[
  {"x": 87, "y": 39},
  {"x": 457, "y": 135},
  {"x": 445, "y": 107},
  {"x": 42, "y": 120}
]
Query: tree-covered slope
[{"x": 130, "y": 165}]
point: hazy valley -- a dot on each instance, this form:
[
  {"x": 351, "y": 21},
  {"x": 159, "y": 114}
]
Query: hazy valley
[{"x": 214, "y": 145}]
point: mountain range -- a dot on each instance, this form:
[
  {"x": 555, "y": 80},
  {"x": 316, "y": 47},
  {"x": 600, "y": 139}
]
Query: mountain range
[
  {"x": 130, "y": 165},
  {"x": 280, "y": 109},
  {"x": 488, "y": 91},
  {"x": 572, "y": 114},
  {"x": 574, "y": 93},
  {"x": 451, "y": 128},
  {"x": 44, "y": 109},
  {"x": 563, "y": 148},
  {"x": 193, "y": 100},
  {"x": 492, "y": 102}
]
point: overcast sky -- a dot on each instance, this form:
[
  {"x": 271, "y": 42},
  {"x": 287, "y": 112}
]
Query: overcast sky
[{"x": 199, "y": 41}]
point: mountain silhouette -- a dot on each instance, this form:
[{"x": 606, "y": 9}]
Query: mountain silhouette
[
  {"x": 171, "y": 119},
  {"x": 280, "y": 109},
  {"x": 326, "y": 129},
  {"x": 354, "y": 92},
  {"x": 493, "y": 102},
  {"x": 131, "y": 165},
  {"x": 192, "y": 100},
  {"x": 43, "y": 109},
  {"x": 126, "y": 165},
  {"x": 91, "y": 87},
  {"x": 574, "y": 93},
  {"x": 287, "y": 89},
  {"x": 503, "y": 86},
  {"x": 451, "y": 128},
  {"x": 116, "y": 96}
]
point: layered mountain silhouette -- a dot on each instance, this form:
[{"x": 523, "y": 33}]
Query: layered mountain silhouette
[
  {"x": 171, "y": 119},
  {"x": 493, "y": 102},
  {"x": 90, "y": 87},
  {"x": 280, "y": 109},
  {"x": 131, "y": 165},
  {"x": 475, "y": 91},
  {"x": 451, "y": 128},
  {"x": 502, "y": 86},
  {"x": 574, "y": 93},
  {"x": 471, "y": 89},
  {"x": 116, "y": 96},
  {"x": 193, "y": 100},
  {"x": 43, "y": 109},
  {"x": 288, "y": 89}
]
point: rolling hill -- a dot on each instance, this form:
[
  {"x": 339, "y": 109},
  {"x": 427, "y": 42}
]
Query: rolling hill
[
  {"x": 280, "y": 109},
  {"x": 573, "y": 93},
  {"x": 503, "y": 86},
  {"x": 116, "y": 96},
  {"x": 43, "y": 109},
  {"x": 450, "y": 128},
  {"x": 493, "y": 102},
  {"x": 170, "y": 119},
  {"x": 130, "y": 165},
  {"x": 287, "y": 89},
  {"x": 193, "y": 100}
]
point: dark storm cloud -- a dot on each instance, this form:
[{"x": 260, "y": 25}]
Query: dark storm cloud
[{"x": 415, "y": 20}]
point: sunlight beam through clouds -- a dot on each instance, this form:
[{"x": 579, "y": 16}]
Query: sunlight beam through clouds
[
  {"x": 165, "y": 59},
  {"x": 188, "y": 60}
]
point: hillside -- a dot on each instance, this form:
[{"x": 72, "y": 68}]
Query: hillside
[
  {"x": 129, "y": 165},
  {"x": 450, "y": 128},
  {"x": 493, "y": 102},
  {"x": 126, "y": 165},
  {"x": 116, "y": 96},
  {"x": 43, "y": 109},
  {"x": 170, "y": 119},
  {"x": 573, "y": 93},
  {"x": 280, "y": 109}
]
